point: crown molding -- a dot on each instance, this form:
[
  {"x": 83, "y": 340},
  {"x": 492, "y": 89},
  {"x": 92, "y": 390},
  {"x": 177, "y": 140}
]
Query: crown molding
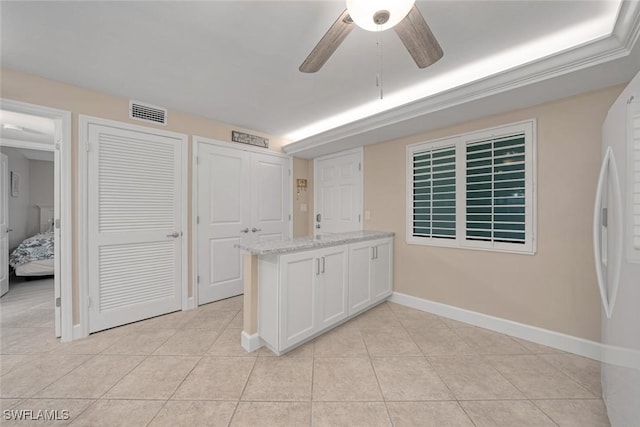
[{"x": 616, "y": 46}]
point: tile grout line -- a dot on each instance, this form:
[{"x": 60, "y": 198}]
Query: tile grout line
[
  {"x": 64, "y": 375},
  {"x": 436, "y": 371},
  {"x": 543, "y": 411},
  {"x": 174, "y": 391},
  {"x": 375, "y": 374},
  {"x": 244, "y": 387}
]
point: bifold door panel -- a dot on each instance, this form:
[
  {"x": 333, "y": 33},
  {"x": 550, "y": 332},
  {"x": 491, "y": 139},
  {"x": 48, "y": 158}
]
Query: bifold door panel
[
  {"x": 241, "y": 195},
  {"x": 223, "y": 211}
]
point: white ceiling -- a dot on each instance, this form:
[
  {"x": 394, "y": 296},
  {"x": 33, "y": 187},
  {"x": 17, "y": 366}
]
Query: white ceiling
[
  {"x": 42, "y": 155},
  {"x": 237, "y": 61},
  {"x": 25, "y": 127}
]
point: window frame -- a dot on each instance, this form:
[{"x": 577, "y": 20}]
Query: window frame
[{"x": 460, "y": 142}]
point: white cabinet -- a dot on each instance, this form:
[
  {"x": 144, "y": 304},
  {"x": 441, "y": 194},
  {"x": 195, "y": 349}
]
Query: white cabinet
[
  {"x": 303, "y": 294},
  {"x": 332, "y": 285},
  {"x": 370, "y": 273},
  {"x": 313, "y": 292},
  {"x": 298, "y": 297},
  {"x": 382, "y": 269}
]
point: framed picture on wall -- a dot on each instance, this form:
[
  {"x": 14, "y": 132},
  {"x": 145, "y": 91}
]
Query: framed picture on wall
[{"x": 15, "y": 184}]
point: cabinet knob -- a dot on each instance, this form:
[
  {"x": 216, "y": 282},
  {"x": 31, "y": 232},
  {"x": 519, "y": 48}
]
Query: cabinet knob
[
  {"x": 244, "y": 230},
  {"x": 253, "y": 230}
]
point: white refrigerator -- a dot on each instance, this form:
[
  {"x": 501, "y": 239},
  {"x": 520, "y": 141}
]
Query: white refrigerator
[{"x": 616, "y": 233}]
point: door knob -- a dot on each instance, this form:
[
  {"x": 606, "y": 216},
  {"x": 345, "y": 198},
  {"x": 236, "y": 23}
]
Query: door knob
[
  {"x": 244, "y": 230},
  {"x": 174, "y": 234},
  {"x": 253, "y": 230},
  {"x": 9, "y": 230}
]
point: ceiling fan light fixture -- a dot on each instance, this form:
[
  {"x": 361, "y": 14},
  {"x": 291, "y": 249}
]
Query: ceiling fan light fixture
[{"x": 365, "y": 12}]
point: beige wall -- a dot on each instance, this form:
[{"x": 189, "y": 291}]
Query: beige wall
[
  {"x": 555, "y": 288},
  {"x": 28, "y": 88},
  {"x": 40, "y": 192},
  {"x": 300, "y": 217}
]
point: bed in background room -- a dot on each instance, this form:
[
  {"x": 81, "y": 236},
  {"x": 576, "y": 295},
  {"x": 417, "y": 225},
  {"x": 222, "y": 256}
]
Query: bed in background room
[{"x": 35, "y": 255}]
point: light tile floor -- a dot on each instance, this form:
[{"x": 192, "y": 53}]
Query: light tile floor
[{"x": 390, "y": 366}]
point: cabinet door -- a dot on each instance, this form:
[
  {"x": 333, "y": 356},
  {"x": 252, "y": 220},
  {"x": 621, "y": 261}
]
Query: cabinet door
[
  {"x": 360, "y": 257},
  {"x": 382, "y": 270},
  {"x": 332, "y": 285},
  {"x": 298, "y": 297}
]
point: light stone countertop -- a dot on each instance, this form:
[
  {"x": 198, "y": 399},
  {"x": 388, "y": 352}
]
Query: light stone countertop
[{"x": 298, "y": 244}]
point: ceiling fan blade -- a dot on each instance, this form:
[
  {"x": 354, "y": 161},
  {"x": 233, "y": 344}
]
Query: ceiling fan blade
[
  {"x": 418, "y": 39},
  {"x": 328, "y": 44}
]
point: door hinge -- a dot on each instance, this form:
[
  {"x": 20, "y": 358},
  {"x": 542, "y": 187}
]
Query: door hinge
[
  {"x": 359, "y": 215},
  {"x": 359, "y": 166},
  {"x": 605, "y": 220},
  {"x": 198, "y": 279},
  {"x": 58, "y": 302},
  {"x": 289, "y": 172},
  {"x": 197, "y": 160},
  {"x": 198, "y": 219},
  {"x": 89, "y": 302},
  {"x": 57, "y": 223},
  {"x": 87, "y": 146},
  {"x": 289, "y": 217}
]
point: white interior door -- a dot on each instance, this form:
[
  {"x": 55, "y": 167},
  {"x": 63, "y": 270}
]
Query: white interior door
[
  {"x": 134, "y": 225},
  {"x": 269, "y": 197},
  {"x": 224, "y": 216},
  {"x": 338, "y": 192},
  {"x": 4, "y": 224}
]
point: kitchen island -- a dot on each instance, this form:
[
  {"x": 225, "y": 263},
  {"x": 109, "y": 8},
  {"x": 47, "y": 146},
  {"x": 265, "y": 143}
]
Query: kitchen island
[{"x": 297, "y": 289}]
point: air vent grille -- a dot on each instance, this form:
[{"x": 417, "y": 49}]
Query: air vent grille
[{"x": 147, "y": 113}]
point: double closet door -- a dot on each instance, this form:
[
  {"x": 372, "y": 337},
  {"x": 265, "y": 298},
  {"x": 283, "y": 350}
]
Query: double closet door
[{"x": 242, "y": 195}]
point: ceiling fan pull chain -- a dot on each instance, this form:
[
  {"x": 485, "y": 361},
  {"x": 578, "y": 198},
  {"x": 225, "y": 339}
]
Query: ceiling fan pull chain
[{"x": 379, "y": 74}]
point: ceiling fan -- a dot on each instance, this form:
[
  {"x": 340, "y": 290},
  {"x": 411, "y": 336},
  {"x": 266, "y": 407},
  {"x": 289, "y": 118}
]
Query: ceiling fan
[{"x": 379, "y": 15}]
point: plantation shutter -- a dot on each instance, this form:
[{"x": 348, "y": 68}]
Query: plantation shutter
[
  {"x": 495, "y": 190},
  {"x": 434, "y": 193}
]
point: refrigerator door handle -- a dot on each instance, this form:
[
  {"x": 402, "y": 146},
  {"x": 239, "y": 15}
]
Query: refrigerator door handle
[{"x": 608, "y": 296}]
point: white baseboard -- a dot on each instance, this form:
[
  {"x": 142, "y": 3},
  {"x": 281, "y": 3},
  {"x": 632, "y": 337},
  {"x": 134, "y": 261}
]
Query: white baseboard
[
  {"x": 560, "y": 341},
  {"x": 250, "y": 342},
  {"x": 78, "y": 332}
]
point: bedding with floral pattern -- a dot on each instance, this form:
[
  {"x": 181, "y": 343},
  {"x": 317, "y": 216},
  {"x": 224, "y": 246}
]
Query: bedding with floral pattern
[{"x": 34, "y": 248}]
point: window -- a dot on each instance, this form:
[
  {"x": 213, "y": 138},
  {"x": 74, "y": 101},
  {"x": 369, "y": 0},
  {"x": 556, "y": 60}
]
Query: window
[
  {"x": 474, "y": 190},
  {"x": 434, "y": 193}
]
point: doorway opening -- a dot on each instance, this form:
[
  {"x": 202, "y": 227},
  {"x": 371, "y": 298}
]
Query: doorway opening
[{"x": 35, "y": 232}]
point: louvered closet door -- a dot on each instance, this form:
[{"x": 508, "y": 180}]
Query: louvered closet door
[{"x": 134, "y": 228}]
